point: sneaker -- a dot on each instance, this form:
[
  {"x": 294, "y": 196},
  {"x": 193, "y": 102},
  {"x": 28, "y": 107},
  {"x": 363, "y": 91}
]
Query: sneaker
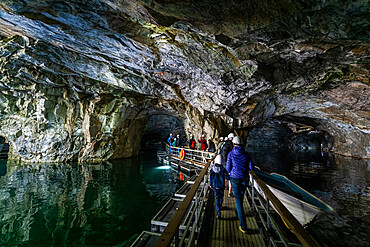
[
  {"x": 231, "y": 195},
  {"x": 243, "y": 231},
  {"x": 219, "y": 216}
]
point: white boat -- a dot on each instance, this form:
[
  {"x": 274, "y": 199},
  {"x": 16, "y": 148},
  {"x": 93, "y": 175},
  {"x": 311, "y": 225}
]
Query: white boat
[{"x": 302, "y": 205}]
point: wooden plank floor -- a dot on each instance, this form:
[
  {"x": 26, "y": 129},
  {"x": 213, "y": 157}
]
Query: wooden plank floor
[{"x": 226, "y": 230}]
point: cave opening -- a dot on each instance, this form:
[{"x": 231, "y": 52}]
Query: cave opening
[
  {"x": 290, "y": 132},
  {"x": 158, "y": 129},
  {"x": 4, "y": 150},
  {"x": 4, "y": 147},
  {"x": 290, "y": 141}
]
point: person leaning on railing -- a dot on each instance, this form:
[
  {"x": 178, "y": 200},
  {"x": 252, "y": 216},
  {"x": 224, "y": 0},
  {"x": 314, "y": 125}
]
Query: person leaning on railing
[{"x": 238, "y": 165}]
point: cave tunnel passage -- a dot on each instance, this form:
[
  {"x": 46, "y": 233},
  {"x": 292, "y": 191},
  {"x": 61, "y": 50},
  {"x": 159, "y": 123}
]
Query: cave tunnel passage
[
  {"x": 290, "y": 133},
  {"x": 159, "y": 127},
  {"x": 278, "y": 143},
  {"x": 4, "y": 149}
]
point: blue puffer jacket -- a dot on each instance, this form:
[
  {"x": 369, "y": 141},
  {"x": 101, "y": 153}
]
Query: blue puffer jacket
[{"x": 238, "y": 163}]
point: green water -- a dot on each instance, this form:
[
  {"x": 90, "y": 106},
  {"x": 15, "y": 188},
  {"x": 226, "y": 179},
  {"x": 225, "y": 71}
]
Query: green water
[{"x": 106, "y": 204}]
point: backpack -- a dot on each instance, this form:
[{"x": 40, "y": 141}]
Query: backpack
[{"x": 217, "y": 177}]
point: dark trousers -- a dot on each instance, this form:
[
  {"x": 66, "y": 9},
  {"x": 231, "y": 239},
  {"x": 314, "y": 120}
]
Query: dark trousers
[
  {"x": 239, "y": 187},
  {"x": 219, "y": 199}
]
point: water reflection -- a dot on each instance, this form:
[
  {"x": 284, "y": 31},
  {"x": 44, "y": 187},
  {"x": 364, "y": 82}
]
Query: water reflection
[{"x": 81, "y": 205}]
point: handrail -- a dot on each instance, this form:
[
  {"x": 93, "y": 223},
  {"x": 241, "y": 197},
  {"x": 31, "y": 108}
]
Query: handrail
[
  {"x": 171, "y": 230},
  {"x": 189, "y": 149},
  {"x": 304, "y": 237}
]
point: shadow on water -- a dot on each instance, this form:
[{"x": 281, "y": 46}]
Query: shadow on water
[
  {"x": 343, "y": 183},
  {"x": 103, "y": 204}
]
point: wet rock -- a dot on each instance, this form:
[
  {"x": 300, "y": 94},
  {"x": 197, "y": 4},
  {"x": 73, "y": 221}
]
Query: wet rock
[{"x": 79, "y": 81}]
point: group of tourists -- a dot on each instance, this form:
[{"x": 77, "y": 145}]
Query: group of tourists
[
  {"x": 174, "y": 141},
  {"x": 230, "y": 170},
  {"x": 205, "y": 144}
]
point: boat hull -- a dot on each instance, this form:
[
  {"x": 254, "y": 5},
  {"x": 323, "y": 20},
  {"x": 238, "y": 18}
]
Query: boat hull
[{"x": 304, "y": 212}]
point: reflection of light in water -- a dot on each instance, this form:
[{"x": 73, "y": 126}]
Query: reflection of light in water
[{"x": 163, "y": 167}]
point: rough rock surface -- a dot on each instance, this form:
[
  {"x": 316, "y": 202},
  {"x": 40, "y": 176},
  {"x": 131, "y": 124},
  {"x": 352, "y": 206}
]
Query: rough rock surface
[{"x": 80, "y": 79}]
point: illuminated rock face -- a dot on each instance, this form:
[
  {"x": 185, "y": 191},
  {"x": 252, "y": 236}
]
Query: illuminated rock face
[{"x": 79, "y": 80}]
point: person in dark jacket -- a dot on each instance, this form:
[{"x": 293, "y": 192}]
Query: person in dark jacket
[
  {"x": 211, "y": 146},
  {"x": 178, "y": 143},
  {"x": 238, "y": 163},
  {"x": 220, "y": 144},
  {"x": 217, "y": 182},
  {"x": 192, "y": 142},
  {"x": 226, "y": 148},
  {"x": 203, "y": 143}
]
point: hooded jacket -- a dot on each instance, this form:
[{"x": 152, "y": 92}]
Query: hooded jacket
[
  {"x": 238, "y": 163},
  {"x": 217, "y": 177}
]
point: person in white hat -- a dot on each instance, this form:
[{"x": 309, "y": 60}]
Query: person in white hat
[
  {"x": 170, "y": 140},
  {"x": 192, "y": 142},
  {"x": 220, "y": 144},
  {"x": 226, "y": 148},
  {"x": 211, "y": 145},
  {"x": 203, "y": 143},
  {"x": 217, "y": 182}
]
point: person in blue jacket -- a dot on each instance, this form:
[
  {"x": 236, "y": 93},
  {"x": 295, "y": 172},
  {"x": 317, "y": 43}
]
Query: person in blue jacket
[
  {"x": 238, "y": 165},
  {"x": 170, "y": 140},
  {"x": 217, "y": 182}
]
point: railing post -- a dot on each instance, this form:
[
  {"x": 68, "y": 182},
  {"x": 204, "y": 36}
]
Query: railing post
[
  {"x": 268, "y": 214},
  {"x": 252, "y": 189},
  {"x": 196, "y": 211},
  {"x": 177, "y": 237}
]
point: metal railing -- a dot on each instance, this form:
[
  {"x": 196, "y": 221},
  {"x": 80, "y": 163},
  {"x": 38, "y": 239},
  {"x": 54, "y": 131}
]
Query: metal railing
[
  {"x": 269, "y": 223},
  {"x": 193, "y": 156},
  {"x": 171, "y": 232},
  {"x": 199, "y": 196}
]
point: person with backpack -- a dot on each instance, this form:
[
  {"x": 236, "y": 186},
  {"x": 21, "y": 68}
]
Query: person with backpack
[
  {"x": 225, "y": 150},
  {"x": 238, "y": 165},
  {"x": 217, "y": 182}
]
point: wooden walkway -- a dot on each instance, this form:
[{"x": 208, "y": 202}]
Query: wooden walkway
[{"x": 226, "y": 230}]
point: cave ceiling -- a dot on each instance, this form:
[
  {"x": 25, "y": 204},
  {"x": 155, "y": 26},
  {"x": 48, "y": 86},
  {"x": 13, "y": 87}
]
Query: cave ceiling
[{"x": 80, "y": 79}]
